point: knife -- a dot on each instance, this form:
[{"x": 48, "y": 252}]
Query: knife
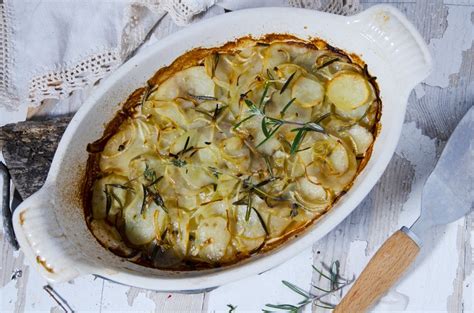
[{"x": 447, "y": 196}]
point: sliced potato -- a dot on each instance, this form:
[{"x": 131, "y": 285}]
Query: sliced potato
[
  {"x": 139, "y": 224},
  {"x": 307, "y": 92},
  {"x": 134, "y": 137},
  {"x": 362, "y": 138},
  {"x": 193, "y": 80},
  {"x": 104, "y": 188},
  {"x": 212, "y": 238},
  {"x": 348, "y": 91},
  {"x": 179, "y": 173}
]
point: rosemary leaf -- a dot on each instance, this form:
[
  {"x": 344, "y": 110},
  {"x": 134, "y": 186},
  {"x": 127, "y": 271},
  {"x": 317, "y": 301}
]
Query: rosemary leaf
[
  {"x": 285, "y": 85},
  {"x": 282, "y": 112},
  {"x": 334, "y": 272},
  {"x": 289, "y": 307},
  {"x": 265, "y": 182},
  {"x": 116, "y": 198},
  {"x": 297, "y": 141},
  {"x": 296, "y": 289},
  {"x": 202, "y": 98},
  {"x": 121, "y": 187},
  {"x": 185, "y": 146},
  {"x": 249, "y": 207},
  {"x": 214, "y": 171},
  {"x": 269, "y": 166},
  {"x": 159, "y": 201},
  {"x": 232, "y": 308},
  {"x": 274, "y": 130},
  {"x": 264, "y": 127},
  {"x": 252, "y": 107},
  {"x": 244, "y": 120},
  {"x": 178, "y": 162},
  {"x": 155, "y": 181},
  {"x": 203, "y": 112},
  {"x": 322, "y": 117},
  {"x": 108, "y": 201},
  {"x": 320, "y": 289},
  {"x": 269, "y": 74},
  {"x": 265, "y": 91},
  {"x": 240, "y": 202},
  {"x": 218, "y": 111},
  {"x": 294, "y": 210},
  {"x": 262, "y": 222},
  {"x": 145, "y": 195},
  {"x": 327, "y": 63},
  {"x": 149, "y": 173},
  {"x": 321, "y": 273}
]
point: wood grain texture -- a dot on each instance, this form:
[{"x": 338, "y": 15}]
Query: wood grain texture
[
  {"x": 28, "y": 149},
  {"x": 384, "y": 269}
]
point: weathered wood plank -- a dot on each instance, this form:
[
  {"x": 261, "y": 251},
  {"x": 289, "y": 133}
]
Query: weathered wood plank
[{"x": 28, "y": 149}]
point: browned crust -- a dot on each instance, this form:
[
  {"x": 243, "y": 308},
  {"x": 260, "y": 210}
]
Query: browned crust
[
  {"x": 192, "y": 58},
  {"x": 43, "y": 263}
]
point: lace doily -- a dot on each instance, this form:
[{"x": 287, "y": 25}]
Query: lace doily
[{"x": 138, "y": 19}]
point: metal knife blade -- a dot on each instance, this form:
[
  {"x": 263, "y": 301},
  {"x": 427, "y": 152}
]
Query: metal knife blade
[{"x": 448, "y": 192}]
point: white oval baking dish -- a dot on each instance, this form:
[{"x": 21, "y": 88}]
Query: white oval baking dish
[{"x": 50, "y": 225}]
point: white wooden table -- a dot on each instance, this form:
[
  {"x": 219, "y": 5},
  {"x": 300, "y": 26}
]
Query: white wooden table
[{"x": 442, "y": 277}]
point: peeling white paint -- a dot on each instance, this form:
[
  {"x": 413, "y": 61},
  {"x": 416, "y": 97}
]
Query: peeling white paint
[
  {"x": 8, "y": 297},
  {"x": 419, "y": 91},
  {"x": 420, "y": 151},
  {"x": 456, "y": 38}
]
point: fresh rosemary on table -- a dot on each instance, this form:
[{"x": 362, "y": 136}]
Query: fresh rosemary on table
[
  {"x": 232, "y": 308},
  {"x": 337, "y": 283}
]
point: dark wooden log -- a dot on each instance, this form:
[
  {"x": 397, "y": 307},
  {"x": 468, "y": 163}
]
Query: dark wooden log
[{"x": 28, "y": 149}]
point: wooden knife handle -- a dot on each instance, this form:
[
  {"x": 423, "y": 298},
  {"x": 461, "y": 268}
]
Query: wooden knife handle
[{"x": 383, "y": 270}]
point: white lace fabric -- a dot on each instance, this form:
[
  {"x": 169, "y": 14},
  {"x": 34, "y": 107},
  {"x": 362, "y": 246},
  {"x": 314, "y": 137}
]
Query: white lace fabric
[{"x": 50, "y": 49}]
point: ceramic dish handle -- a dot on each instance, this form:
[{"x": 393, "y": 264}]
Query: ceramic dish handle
[
  {"x": 398, "y": 42},
  {"x": 41, "y": 238}
]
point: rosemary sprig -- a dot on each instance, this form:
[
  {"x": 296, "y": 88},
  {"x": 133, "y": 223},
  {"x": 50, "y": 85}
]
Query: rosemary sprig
[
  {"x": 121, "y": 187},
  {"x": 294, "y": 210},
  {"x": 254, "y": 189},
  {"x": 214, "y": 115},
  {"x": 268, "y": 165},
  {"x": 308, "y": 297},
  {"x": 287, "y": 83},
  {"x": 243, "y": 121},
  {"x": 282, "y": 112},
  {"x": 111, "y": 196},
  {"x": 214, "y": 171},
  {"x": 249, "y": 206},
  {"x": 218, "y": 111},
  {"x": 202, "y": 98},
  {"x": 232, "y": 308},
  {"x": 149, "y": 173},
  {"x": 327, "y": 63},
  {"x": 271, "y": 125},
  {"x": 262, "y": 222},
  {"x": 178, "y": 162},
  {"x": 159, "y": 201},
  {"x": 108, "y": 201}
]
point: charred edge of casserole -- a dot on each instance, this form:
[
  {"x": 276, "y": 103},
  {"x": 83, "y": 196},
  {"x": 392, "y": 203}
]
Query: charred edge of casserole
[{"x": 192, "y": 58}]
